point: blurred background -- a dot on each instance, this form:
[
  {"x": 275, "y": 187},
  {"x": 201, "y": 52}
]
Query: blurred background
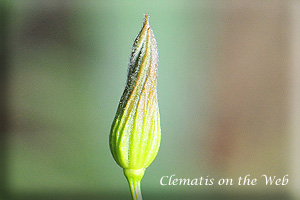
[{"x": 228, "y": 91}]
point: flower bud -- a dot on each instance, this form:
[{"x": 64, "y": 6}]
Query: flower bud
[{"x": 135, "y": 132}]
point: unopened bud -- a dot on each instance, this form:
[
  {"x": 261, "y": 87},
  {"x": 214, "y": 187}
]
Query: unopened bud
[{"x": 135, "y": 132}]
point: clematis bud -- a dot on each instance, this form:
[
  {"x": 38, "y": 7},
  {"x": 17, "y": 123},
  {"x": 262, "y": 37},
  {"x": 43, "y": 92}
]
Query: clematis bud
[{"x": 135, "y": 132}]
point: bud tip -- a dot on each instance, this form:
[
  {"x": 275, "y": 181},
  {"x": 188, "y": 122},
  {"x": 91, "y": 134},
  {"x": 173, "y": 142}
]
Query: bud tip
[{"x": 146, "y": 19}]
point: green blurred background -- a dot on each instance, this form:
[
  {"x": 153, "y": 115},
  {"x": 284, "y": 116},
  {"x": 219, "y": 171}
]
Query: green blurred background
[{"x": 223, "y": 91}]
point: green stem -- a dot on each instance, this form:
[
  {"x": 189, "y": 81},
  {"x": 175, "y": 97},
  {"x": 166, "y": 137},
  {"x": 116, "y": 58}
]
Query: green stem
[
  {"x": 135, "y": 189},
  {"x": 134, "y": 177}
]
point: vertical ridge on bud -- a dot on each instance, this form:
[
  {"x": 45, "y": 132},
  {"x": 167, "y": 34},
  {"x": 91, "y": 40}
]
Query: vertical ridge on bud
[{"x": 135, "y": 132}]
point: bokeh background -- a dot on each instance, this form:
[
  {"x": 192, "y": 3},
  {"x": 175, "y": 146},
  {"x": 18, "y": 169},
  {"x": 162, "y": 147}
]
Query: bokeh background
[{"x": 228, "y": 92}]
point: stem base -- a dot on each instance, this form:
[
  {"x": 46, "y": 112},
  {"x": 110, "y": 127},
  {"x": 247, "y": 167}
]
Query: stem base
[{"x": 134, "y": 177}]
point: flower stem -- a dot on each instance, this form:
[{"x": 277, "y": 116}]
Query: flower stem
[
  {"x": 135, "y": 189},
  {"x": 134, "y": 177}
]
